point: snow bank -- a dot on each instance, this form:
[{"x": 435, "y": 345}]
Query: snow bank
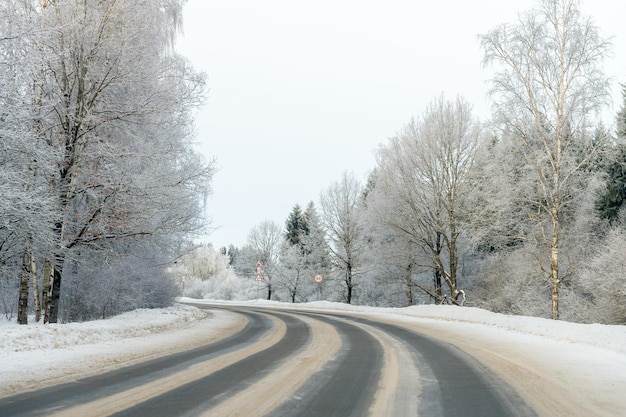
[
  {"x": 16, "y": 338},
  {"x": 19, "y": 338},
  {"x": 609, "y": 337}
]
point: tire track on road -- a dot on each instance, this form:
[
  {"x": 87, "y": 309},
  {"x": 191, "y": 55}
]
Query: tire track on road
[
  {"x": 461, "y": 385},
  {"x": 144, "y": 392},
  {"x": 343, "y": 388},
  {"x": 54, "y": 398},
  {"x": 193, "y": 398},
  {"x": 268, "y": 393}
]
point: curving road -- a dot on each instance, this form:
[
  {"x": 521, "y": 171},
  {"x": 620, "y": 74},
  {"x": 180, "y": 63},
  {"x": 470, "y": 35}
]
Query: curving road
[{"x": 290, "y": 363}]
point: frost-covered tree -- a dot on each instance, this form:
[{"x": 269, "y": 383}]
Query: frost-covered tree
[
  {"x": 206, "y": 273},
  {"x": 603, "y": 282},
  {"x": 340, "y": 217},
  {"x": 25, "y": 209},
  {"x": 293, "y": 274},
  {"x": 422, "y": 189},
  {"x": 304, "y": 253},
  {"x": 109, "y": 103},
  {"x": 547, "y": 87},
  {"x": 612, "y": 200},
  {"x": 265, "y": 241},
  {"x": 314, "y": 242},
  {"x": 296, "y": 226}
]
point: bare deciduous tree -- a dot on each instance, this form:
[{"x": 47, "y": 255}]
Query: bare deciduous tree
[
  {"x": 266, "y": 240},
  {"x": 107, "y": 127},
  {"x": 340, "y": 217},
  {"x": 421, "y": 186}
]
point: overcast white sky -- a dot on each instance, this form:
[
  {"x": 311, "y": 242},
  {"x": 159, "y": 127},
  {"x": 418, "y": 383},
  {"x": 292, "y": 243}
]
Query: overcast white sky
[{"x": 301, "y": 91}]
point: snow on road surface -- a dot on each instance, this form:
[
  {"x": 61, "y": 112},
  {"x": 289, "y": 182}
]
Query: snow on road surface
[{"x": 560, "y": 368}]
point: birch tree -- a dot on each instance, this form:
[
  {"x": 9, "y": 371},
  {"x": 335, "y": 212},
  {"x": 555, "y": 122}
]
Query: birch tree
[{"x": 547, "y": 87}]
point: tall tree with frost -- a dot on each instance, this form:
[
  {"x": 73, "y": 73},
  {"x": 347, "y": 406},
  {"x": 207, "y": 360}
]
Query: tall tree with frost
[
  {"x": 421, "y": 188},
  {"x": 266, "y": 239},
  {"x": 548, "y": 85},
  {"x": 296, "y": 226},
  {"x": 293, "y": 271},
  {"x": 612, "y": 200},
  {"x": 340, "y": 217},
  {"x": 314, "y": 242},
  {"x": 112, "y": 103},
  {"x": 24, "y": 209},
  {"x": 304, "y": 253}
]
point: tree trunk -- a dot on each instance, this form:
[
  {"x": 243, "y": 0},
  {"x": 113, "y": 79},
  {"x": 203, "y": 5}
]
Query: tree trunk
[
  {"x": 555, "y": 300},
  {"x": 45, "y": 292},
  {"x": 349, "y": 283},
  {"x": 554, "y": 270},
  {"x": 349, "y": 295},
  {"x": 55, "y": 293},
  {"x": 409, "y": 294},
  {"x": 22, "y": 310},
  {"x": 453, "y": 261},
  {"x": 437, "y": 271},
  {"x": 409, "y": 286},
  {"x": 437, "y": 284},
  {"x": 36, "y": 300}
]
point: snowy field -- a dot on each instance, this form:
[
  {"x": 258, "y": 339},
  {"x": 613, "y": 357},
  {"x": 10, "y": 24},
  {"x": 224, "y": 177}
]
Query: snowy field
[{"x": 578, "y": 361}]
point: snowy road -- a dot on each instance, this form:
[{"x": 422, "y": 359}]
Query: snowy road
[{"x": 290, "y": 363}]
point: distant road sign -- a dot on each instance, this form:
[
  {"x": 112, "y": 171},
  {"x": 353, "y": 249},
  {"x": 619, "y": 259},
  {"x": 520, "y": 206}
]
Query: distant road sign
[
  {"x": 258, "y": 277},
  {"x": 318, "y": 278}
]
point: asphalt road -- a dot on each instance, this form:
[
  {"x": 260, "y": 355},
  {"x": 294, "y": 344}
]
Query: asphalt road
[{"x": 290, "y": 363}]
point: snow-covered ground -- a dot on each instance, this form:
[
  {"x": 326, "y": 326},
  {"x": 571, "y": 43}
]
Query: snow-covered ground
[{"x": 530, "y": 353}]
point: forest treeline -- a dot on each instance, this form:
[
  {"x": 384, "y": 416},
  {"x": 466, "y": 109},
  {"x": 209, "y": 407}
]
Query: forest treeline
[
  {"x": 101, "y": 187},
  {"x": 102, "y": 191},
  {"x": 522, "y": 214}
]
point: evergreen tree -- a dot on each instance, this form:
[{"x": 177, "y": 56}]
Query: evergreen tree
[
  {"x": 296, "y": 226},
  {"x": 233, "y": 254},
  {"x": 612, "y": 200},
  {"x": 621, "y": 116},
  {"x": 314, "y": 242}
]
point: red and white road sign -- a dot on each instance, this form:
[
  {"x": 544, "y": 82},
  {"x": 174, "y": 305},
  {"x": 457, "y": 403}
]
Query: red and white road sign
[{"x": 318, "y": 278}]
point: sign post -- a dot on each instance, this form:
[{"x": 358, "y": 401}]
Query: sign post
[
  {"x": 258, "y": 277},
  {"x": 318, "y": 279}
]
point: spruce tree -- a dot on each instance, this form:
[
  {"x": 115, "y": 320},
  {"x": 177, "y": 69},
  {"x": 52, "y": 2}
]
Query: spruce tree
[
  {"x": 296, "y": 226},
  {"x": 611, "y": 202},
  {"x": 314, "y": 242}
]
